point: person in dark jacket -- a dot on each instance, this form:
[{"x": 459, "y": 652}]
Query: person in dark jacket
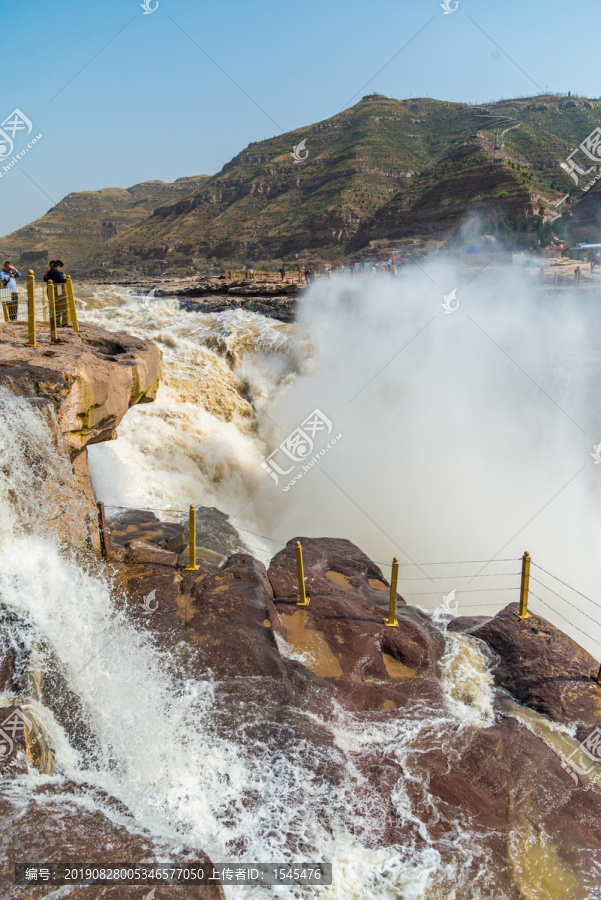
[{"x": 55, "y": 274}]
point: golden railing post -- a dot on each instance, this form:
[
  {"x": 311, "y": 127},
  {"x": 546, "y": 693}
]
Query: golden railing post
[
  {"x": 52, "y": 313},
  {"x": 71, "y": 303},
  {"x": 192, "y": 567},
  {"x": 524, "y": 586},
  {"x": 31, "y": 309},
  {"x": 303, "y": 600},
  {"x": 391, "y": 621},
  {"x": 104, "y": 546}
]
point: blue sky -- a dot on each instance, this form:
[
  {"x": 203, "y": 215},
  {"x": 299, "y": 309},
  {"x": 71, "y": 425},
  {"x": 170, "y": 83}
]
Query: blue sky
[{"x": 151, "y": 105}]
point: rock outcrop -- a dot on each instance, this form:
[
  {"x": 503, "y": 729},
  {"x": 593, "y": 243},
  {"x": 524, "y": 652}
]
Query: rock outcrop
[
  {"x": 92, "y": 377},
  {"x": 348, "y": 607},
  {"x": 543, "y": 668}
]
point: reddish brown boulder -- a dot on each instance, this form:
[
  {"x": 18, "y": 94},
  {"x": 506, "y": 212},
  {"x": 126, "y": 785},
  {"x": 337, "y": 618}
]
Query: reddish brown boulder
[
  {"x": 507, "y": 787},
  {"x": 343, "y": 631},
  {"x": 92, "y": 377},
  {"x": 49, "y": 825},
  {"x": 144, "y": 553},
  {"x": 543, "y": 668}
]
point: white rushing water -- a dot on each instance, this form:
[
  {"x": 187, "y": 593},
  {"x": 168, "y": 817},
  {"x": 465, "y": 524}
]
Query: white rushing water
[
  {"x": 465, "y": 436},
  {"x": 155, "y": 740},
  {"x": 449, "y": 450}
]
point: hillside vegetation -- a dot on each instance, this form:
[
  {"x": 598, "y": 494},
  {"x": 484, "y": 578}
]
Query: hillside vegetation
[{"x": 383, "y": 170}]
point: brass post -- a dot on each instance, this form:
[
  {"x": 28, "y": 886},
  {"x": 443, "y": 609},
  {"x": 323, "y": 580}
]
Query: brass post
[
  {"x": 104, "y": 547},
  {"x": 192, "y": 567},
  {"x": 391, "y": 621},
  {"x": 52, "y": 313},
  {"x": 71, "y": 304},
  {"x": 303, "y": 600},
  {"x": 523, "y": 613},
  {"x": 31, "y": 309},
  {"x": 44, "y": 305}
]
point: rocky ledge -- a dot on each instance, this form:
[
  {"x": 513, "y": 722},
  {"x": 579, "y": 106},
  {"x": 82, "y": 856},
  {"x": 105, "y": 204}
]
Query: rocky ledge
[
  {"x": 292, "y": 675},
  {"x": 275, "y": 299},
  {"x": 91, "y": 377}
]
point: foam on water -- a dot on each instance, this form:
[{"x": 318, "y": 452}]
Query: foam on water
[
  {"x": 158, "y": 746},
  {"x": 198, "y": 442},
  {"x": 467, "y": 681},
  {"x": 234, "y": 384},
  {"x": 471, "y": 433}
]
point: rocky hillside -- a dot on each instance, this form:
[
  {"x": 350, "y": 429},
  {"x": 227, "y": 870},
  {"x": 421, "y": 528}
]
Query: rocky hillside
[
  {"x": 384, "y": 169},
  {"x": 79, "y": 227}
]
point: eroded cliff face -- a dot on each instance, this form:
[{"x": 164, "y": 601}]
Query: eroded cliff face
[{"x": 92, "y": 377}]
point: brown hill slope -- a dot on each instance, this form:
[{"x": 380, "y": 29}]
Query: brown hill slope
[
  {"x": 384, "y": 168},
  {"x": 78, "y": 228}
]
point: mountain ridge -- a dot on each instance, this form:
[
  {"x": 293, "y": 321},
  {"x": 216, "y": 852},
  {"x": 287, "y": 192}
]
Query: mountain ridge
[{"x": 381, "y": 170}]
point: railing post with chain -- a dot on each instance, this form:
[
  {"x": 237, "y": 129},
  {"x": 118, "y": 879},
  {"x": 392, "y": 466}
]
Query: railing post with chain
[
  {"x": 31, "y": 339},
  {"x": 303, "y": 600},
  {"x": 71, "y": 303},
  {"x": 524, "y": 587},
  {"x": 391, "y": 621},
  {"x": 192, "y": 567},
  {"x": 52, "y": 313},
  {"x": 104, "y": 544}
]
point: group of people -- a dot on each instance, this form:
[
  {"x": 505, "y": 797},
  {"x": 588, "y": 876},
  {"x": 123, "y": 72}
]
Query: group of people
[
  {"x": 307, "y": 274},
  {"x": 8, "y": 280}
]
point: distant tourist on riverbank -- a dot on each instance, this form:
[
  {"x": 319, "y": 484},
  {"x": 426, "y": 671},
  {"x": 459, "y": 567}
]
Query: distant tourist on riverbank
[{"x": 7, "y": 277}]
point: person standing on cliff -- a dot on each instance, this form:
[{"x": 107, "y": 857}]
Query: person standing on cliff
[
  {"x": 7, "y": 277},
  {"x": 56, "y": 276}
]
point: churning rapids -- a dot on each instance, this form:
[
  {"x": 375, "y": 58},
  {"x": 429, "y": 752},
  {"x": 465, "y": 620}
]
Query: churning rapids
[{"x": 463, "y": 437}]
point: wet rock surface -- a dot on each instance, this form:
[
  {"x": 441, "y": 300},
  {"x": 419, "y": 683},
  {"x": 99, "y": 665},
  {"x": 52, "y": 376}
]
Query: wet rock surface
[
  {"x": 92, "y": 377},
  {"x": 543, "y": 668},
  {"x": 348, "y": 607},
  {"x": 288, "y": 681},
  {"x": 279, "y": 306},
  {"x": 54, "y": 824}
]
